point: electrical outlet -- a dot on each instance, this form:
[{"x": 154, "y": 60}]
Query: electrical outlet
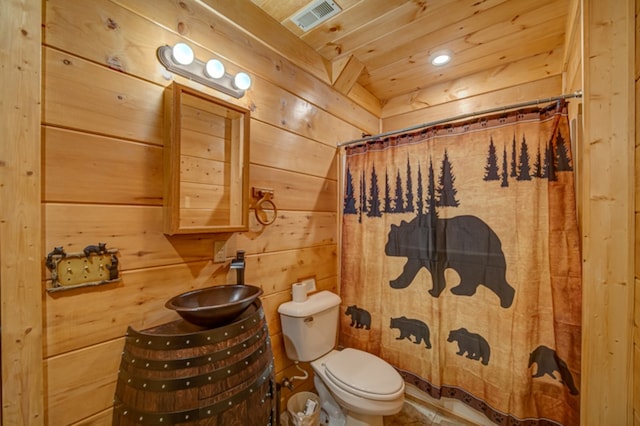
[{"x": 219, "y": 252}]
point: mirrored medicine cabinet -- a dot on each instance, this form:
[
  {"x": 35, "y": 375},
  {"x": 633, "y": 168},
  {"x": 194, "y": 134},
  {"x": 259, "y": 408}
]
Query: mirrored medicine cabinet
[{"x": 206, "y": 163}]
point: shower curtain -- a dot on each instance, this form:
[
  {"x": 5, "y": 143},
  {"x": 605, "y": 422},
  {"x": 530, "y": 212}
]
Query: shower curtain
[{"x": 460, "y": 262}]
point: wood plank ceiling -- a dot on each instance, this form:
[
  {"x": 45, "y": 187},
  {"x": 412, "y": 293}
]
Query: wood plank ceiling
[{"x": 385, "y": 46}]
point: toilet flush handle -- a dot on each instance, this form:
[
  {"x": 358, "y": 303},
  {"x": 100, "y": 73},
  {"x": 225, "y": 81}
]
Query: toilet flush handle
[{"x": 308, "y": 319}]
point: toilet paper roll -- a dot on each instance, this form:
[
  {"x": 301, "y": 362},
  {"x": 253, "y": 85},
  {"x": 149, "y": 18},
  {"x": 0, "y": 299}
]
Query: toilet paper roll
[{"x": 299, "y": 292}]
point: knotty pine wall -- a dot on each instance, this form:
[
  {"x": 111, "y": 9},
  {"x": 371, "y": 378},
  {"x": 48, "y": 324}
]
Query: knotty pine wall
[{"x": 103, "y": 177}]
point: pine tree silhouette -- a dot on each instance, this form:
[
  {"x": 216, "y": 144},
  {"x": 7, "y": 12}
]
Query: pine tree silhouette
[
  {"x": 409, "y": 207},
  {"x": 549, "y": 166},
  {"x": 446, "y": 192},
  {"x": 552, "y": 167},
  {"x": 537, "y": 166},
  {"x": 399, "y": 203},
  {"x": 419, "y": 202},
  {"x": 524, "y": 169},
  {"x": 513, "y": 158},
  {"x": 374, "y": 195},
  {"x": 431, "y": 192},
  {"x": 349, "y": 197},
  {"x": 387, "y": 193},
  {"x": 363, "y": 196},
  {"x": 505, "y": 175},
  {"x": 564, "y": 162},
  {"x": 491, "y": 169}
]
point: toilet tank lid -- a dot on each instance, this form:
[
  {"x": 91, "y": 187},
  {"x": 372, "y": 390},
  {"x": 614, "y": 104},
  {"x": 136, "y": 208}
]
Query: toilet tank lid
[{"x": 314, "y": 304}]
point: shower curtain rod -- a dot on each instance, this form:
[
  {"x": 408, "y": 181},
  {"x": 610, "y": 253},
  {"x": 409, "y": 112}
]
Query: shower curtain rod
[{"x": 577, "y": 94}]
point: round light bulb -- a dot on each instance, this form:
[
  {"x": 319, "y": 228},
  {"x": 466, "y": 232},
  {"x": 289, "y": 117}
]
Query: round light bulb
[
  {"x": 441, "y": 58},
  {"x": 214, "y": 68},
  {"x": 242, "y": 81},
  {"x": 182, "y": 54}
]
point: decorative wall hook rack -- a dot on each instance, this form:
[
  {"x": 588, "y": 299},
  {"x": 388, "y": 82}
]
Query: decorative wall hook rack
[
  {"x": 95, "y": 265},
  {"x": 265, "y": 202}
]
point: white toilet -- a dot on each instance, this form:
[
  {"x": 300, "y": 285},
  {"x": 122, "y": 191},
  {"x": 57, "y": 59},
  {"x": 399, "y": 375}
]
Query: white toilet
[{"x": 364, "y": 386}]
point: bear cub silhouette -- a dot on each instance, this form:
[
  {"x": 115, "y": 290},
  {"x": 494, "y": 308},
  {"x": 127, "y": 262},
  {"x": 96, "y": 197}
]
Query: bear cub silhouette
[
  {"x": 548, "y": 361},
  {"x": 359, "y": 317},
  {"x": 474, "y": 345},
  {"x": 412, "y": 327}
]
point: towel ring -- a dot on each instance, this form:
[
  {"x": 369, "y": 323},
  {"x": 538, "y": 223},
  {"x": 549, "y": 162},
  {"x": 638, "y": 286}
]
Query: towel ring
[{"x": 265, "y": 201}]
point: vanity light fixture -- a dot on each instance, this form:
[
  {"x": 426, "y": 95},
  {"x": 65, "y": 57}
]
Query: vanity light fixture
[
  {"x": 441, "y": 57},
  {"x": 181, "y": 60}
]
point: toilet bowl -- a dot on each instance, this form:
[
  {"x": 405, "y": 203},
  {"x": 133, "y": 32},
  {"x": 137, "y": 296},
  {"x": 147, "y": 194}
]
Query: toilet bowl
[
  {"x": 356, "y": 388},
  {"x": 365, "y": 386}
]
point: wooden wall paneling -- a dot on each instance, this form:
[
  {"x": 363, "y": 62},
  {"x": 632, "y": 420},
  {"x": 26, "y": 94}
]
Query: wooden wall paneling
[
  {"x": 82, "y": 383},
  {"x": 369, "y": 102},
  {"x": 72, "y": 320},
  {"x": 290, "y": 112},
  {"x": 195, "y": 22},
  {"x": 441, "y": 109},
  {"x": 636, "y": 308},
  {"x": 274, "y": 147},
  {"x": 294, "y": 191},
  {"x": 292, "y": 229},
  {"x": 103, "y": 418},
  {"x": 276, "y": 271},
  {"x": 20, "y": 214},
  {"x": 86, "y": 168},
  {"x": 136, "y": 231},
  {"x": 262, "y": 26},
  {"x": 81, "y": 95},
  {"x": 607, "y": 213},
  {"x": 134, "y": 40}
]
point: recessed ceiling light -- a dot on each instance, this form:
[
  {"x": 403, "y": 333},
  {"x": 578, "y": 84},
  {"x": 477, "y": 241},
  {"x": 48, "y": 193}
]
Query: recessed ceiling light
[{"x": 441, "y": 57}]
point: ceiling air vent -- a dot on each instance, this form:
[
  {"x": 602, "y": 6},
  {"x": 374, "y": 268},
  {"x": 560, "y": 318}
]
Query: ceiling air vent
[{"x": 315, "y": 13}]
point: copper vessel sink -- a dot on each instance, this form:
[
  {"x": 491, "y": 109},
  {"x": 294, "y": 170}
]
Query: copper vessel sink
[{"x": 214, "y": 306}]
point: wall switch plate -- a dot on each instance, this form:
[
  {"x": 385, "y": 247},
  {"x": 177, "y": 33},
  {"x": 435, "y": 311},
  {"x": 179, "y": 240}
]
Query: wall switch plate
[
  {"x": 310, "y": 283},
  {"x": 219, "y": 252}
]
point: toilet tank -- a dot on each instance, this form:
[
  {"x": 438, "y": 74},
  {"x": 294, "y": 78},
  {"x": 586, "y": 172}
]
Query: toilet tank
[{"x": 310, "y": 328}]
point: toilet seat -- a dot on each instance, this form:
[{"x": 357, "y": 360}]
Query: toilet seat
[{"x": 364, "y": 375}]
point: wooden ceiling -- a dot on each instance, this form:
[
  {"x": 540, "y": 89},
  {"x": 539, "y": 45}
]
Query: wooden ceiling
[{"x": 384, "y": 46}]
